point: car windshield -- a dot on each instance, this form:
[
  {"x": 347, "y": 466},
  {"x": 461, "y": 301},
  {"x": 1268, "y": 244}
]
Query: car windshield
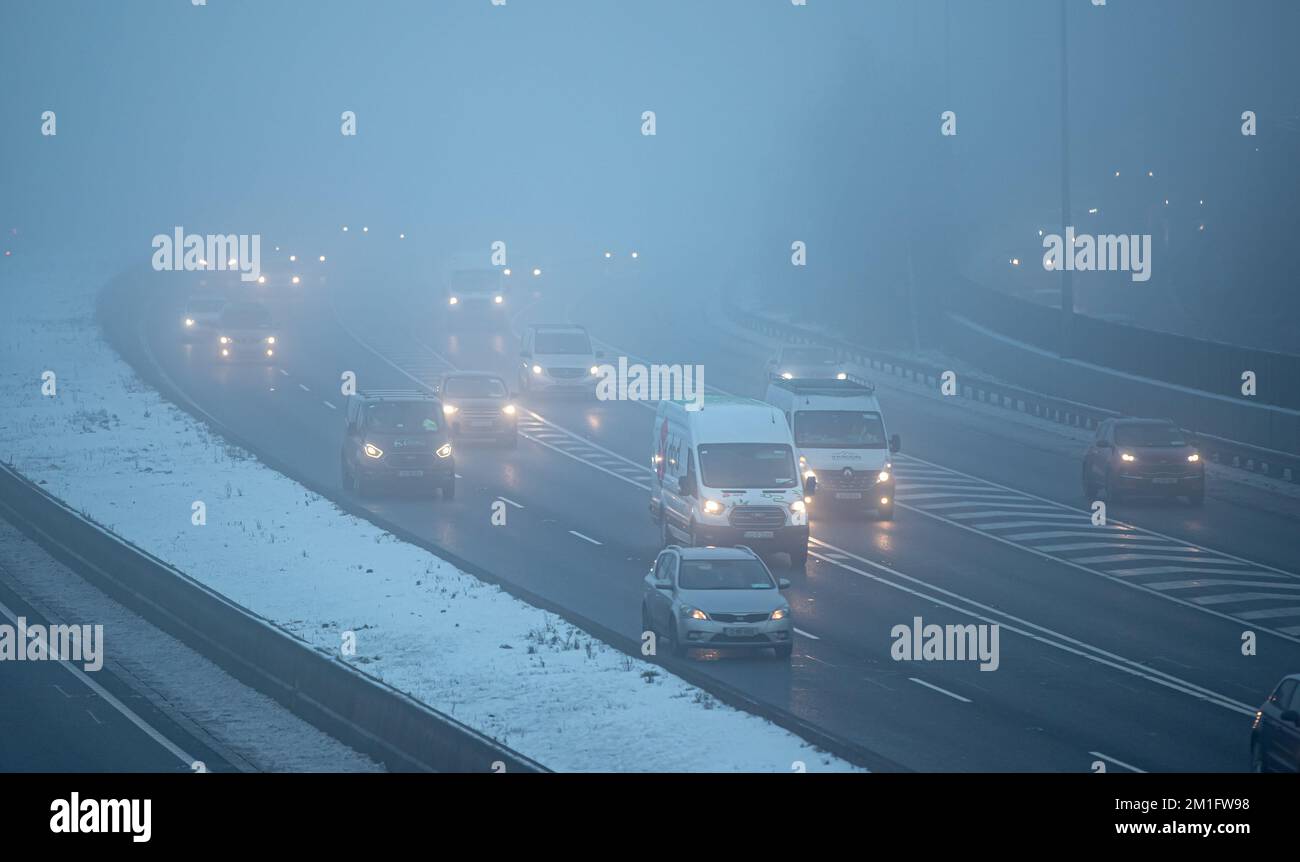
[
  {"x": 808, "y": 354},
  {"x": 400, "y": 417},
  {"x": 474, "y": 387},
  {"x": 562, "y": 342},
  {"x": 838, "y": 429},
  {"x": 747, "y": 465},
  {"x": 474, "y": 280},
  {"x": 724, "y": 575},
  {"x": 1149, "y": 435},
  {"x": 205, "y": 306},
  {"x": 246, "y": 317}
]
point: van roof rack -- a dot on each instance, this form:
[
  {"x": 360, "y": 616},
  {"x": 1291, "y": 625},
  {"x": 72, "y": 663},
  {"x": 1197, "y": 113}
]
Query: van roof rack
[{"x": 851, "y": 385}]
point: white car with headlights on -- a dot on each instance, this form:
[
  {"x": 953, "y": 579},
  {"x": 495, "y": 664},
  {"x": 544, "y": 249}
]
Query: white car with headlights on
[
  {"x": 807, "y": 363},
  {"x": 557, "y": 358},
  {"x": 716, "y": 598},
  {"x": 245, "y": 330},
  {"x": 478, "y": 405}
]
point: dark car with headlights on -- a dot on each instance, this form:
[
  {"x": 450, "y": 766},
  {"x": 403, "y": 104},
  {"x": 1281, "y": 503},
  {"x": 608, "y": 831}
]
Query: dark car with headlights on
[
  {"x": 396, "y": 438},
  {"x": 1275, "y": 734},
  {"x": 478, "y": 405},
  {"x": 245, "y": 330},
  {"x": 1143, "y": 458}
]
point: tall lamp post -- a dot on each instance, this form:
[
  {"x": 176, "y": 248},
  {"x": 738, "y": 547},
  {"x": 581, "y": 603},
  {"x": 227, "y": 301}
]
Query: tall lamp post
[{"x": 1067, "y": 286}]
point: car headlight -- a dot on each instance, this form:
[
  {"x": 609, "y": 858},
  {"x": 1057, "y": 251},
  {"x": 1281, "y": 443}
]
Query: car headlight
[
  {"x": 694, "y": 613},
  {"x": 882, "y": 476},
  {"x": 712, "y": 507},
  {"x": 444, "y": 451},
  {"x": 595, "y": 369},
  {"x": 498, "y": 299},
  {"x": 786, "y": 375},
  {"x": 780, "y": 613},
  {"x": 798, "y": 506},
  {"x": 270, "y": 339},
  {"x": 225, "y": 339},
  {"x": 509, "y": 410},
  {"x": 189, "y": 321},
  {"x": 1126, "y": 456},
  {"x": 537, "y": 369},
  {"x": 372, "y": 451},
  {"x": 452, "y": 300},
  {"x": 841, "y": 376},
  {"x": 810, "y": 474},
  {"x": 449, "y": 409},
  {"x": 1194, "y": 457}
]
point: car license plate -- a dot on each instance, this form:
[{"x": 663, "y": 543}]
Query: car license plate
[
  {"x": 410, "y": 474},
  {"x": 737, "y": 633},
  {"x": 1163, "y": 481},
  {"x": 759, "y": 534},
  {"x": 481, "y": 423},
  {"x": 848, "y": 495}
]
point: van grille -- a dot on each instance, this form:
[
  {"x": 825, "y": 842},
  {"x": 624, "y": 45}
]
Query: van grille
[
  {"x": 757, "y": 516},
  {"x": 566, "y": 373}
]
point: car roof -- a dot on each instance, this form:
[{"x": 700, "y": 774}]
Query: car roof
[
  {"x": 395, "y": 395},
  {"x": 713, "y": 553}
]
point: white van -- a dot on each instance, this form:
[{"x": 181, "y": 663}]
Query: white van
[
  {"x": 726, "y": 475},
  {"x": 841, "y": 439}
]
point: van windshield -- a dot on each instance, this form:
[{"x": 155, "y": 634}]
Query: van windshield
[
  {"x": 747, "y": 465},
  {"x": 724, "y": 575},
  {"x": 838, "y": 429},
  {"x": 403, "y": 417},
  {"x": 562, "y": 342}
]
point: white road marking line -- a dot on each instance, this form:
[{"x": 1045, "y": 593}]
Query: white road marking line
[
  {"x": 329, "y": 405},
  {"x": 940, "y": 690},
  {"x": 806, "y": 634},
  {"x": 1183, "y": 570},
  {"x": 61, "y": 691},
  {"x": 1094, "y": 532},
  {"x": 584, "y": 538},
  {"x": 999, "y": 513},
  {"x": 1218, "y": 582},
  {"x": 1175, "y": 558},
  {"x": 1084, "y": 546},
  {"x": 1270, "y": 613},
  {"x": 282, "y": 371},
  {"x": 1023, "y": 627},
  {"x": 112, "y": 701},
  {"x": 1230, "y": 598},
  {"x": 95, "y": 717},
  {"x": 509, "y": 502},
  {"x": 303, "y": 388},
  {"x": 1107, "y": 757}
]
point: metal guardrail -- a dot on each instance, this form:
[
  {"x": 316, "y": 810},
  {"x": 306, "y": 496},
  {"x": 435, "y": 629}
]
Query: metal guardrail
[
  {"x": 358, "y": 709},
  {"x": 1231, "y": 453}
]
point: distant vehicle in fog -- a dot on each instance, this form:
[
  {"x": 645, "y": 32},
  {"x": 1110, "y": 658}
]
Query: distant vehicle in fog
[
  {"x": 1143, "y": 457},
  {"x": 478, "y": 405},
  {"x": 558, "y": 357},
  {"x": 200, "y": 316},
  {"x": 716, "y": 597},
  {"x": 245, "y": 330},
  {"x": 839, "y": 433},
  {"x": 471, "y": 291},
  {"x": 808, "y": 363},
  {"x": 726, "y": 475},
  {"x": 396, "y": 437},
  {"x": 1275, "y": 734}
]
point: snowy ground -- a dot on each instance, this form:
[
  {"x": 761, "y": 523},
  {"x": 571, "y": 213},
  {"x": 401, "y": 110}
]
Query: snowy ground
[{"x": 112, "y": 448}]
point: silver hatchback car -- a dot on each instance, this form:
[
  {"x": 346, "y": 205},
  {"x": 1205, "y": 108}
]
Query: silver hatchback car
[{"x": 716, "y": 598}]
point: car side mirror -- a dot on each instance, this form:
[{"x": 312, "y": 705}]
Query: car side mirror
[
  {"x": 783, "y": 584},
  {"x": 1292, "y": 716},
  {"x": 664, "y": 585},
  {"x": 810, "y": 485},
  {"x": 686, "y": 486},
  {"x": 895, "y": 443}
]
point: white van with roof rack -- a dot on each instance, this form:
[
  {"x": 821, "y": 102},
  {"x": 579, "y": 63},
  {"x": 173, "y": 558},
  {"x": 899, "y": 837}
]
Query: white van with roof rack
[
  {"x": 840, "y": 435},
  {"x": 725, "y": 474}
]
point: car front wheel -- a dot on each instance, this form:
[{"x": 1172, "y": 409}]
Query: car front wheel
[{"x": 1257, "y": 761}]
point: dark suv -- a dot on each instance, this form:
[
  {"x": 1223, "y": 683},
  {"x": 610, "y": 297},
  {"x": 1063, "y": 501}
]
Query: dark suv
[
  {"x": 397, "y": 437},
  {"x": 1275, "y": 735},
  {"x": 1143, "y": 457}
]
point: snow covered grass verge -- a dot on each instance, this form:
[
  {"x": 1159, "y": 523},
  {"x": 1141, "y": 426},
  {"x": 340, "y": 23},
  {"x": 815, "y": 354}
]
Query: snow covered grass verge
[{"x": 116, "y": 451}]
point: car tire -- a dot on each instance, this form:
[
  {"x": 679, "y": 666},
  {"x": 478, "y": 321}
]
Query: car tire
[
  {"x": 647, "y": 624},
  {"x": 449, "y": 490},
  {"x": 1089, "y": 488},
  {"x": 1109, "y": 493},
  {"x": 358, "y": 486},
  {"x": 1257, "y": 761},
  {"x": 784, "y": 651},
  {"x": 679, "y": 646},
  {"x": 799, "y": 556}
]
